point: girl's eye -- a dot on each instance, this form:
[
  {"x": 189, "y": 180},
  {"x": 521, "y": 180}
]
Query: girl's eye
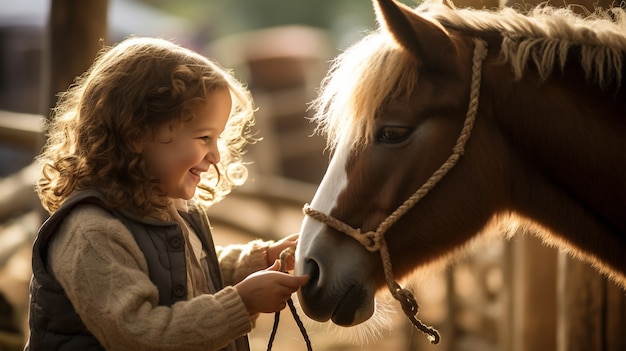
[{"x": 206, "y": 139}]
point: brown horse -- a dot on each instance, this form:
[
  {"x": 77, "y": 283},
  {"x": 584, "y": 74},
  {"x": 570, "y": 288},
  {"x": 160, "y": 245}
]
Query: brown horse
[{"x": 530, "y": 106}]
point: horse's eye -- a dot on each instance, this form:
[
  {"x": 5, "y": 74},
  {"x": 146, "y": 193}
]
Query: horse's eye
[{"x": 393, "y": 135}]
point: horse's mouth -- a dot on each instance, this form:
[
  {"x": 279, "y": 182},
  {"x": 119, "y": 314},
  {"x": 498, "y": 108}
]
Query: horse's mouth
[
  {"x": 346, "y": 301},
  {"x": 351, "y": 309}
]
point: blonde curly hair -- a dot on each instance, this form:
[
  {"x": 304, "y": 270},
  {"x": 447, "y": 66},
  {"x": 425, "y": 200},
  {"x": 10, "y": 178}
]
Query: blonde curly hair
[{"x": 129, "y": 90}]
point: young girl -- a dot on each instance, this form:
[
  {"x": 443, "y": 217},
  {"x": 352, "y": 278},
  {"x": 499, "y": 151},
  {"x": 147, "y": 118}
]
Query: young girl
[{"x": 149, "y": 135}]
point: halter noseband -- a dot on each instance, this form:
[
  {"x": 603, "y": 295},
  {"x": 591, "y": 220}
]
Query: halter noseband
[{"x": 375, "y": 240}]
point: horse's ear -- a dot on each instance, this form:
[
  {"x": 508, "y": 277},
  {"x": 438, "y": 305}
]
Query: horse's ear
[{"x": 430, "y": 45}]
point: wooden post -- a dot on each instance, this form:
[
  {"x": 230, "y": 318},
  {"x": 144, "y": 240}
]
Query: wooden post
[
  {"x": 591, "y": 309},
  {"x": 76, "y": 31},
  {"x": 533, "y": 295}
]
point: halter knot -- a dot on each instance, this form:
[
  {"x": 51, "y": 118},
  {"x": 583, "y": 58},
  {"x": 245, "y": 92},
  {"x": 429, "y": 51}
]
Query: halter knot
[{"x": 370, "y": 240}]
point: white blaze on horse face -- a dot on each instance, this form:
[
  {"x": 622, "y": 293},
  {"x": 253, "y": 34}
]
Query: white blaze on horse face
[
  {"x": 325, "y": 198},
  {"x": 333, "y": 183}
]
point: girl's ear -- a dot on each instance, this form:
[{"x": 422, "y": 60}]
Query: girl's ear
[{"x": 137, "y": 146}]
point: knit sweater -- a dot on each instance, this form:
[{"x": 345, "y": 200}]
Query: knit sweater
[{"x": 105, "y": 275}]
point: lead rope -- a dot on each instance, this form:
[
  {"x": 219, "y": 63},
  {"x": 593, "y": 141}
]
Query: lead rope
[
  {"x": 375, "y": 241},
  {"x": 284, "y": 255}
]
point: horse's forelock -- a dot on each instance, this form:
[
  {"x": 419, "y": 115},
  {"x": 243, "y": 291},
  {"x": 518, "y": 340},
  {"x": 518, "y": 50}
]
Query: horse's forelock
[{"x": 358, "y": 82}]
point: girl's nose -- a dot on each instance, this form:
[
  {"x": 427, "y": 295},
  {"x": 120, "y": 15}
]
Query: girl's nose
[{"x": 213, "y": 156}]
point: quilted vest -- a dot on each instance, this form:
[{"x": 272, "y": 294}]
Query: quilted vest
[{"x": 55, "y": 325}]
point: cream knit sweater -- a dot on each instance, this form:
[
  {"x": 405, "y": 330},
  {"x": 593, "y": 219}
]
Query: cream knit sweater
[{"x": 104, "y": 273}]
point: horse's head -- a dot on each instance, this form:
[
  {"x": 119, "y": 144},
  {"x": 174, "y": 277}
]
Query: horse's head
[{"x": 390, "y": 131}]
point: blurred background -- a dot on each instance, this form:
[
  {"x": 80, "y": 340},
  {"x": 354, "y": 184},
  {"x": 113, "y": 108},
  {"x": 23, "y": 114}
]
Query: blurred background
[{"x": 503, "y": 295}]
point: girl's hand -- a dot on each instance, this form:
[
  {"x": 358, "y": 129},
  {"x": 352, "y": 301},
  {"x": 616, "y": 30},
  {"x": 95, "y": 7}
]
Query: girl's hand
[
  {"x": 274, "y": 250},
  {"x": 268, "y": 290}
]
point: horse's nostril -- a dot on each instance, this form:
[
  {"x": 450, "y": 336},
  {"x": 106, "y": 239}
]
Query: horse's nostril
[{"x": 313, "y": 270}]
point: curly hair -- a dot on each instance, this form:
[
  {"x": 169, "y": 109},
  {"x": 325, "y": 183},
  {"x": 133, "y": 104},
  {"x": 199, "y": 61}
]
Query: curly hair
[{"x": 130, "y": 90}]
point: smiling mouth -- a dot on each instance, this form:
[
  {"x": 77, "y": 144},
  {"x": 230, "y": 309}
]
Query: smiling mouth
[
  {"x": 196, "y": 174},
  {"x": 196, "y": 171}
]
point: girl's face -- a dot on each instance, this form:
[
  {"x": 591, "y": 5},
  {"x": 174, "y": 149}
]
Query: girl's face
[{"x": 179, "y": 154}]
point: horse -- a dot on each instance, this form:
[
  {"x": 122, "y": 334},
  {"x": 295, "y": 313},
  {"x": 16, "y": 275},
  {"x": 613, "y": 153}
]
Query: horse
[{"x": 448, "y": 125}]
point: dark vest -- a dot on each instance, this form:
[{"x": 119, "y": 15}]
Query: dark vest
[{"x": 55, "y": 325}]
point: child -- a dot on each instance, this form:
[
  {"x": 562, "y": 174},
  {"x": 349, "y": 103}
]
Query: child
[{"x": 149, "y": 135}]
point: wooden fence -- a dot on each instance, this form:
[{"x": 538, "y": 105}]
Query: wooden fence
[{"x": 514, "y": 295}]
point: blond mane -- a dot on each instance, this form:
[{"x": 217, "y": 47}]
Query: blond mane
[
  {"x": 545, "y": 34},
  {"x": 376, "y": 68}
]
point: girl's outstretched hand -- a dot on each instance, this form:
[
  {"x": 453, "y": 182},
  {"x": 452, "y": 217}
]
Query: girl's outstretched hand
[
  {"x": 268, "y": 290},
  {"x": 275, "y": 249}
]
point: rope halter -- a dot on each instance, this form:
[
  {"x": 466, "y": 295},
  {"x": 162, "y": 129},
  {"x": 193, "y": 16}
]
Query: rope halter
[{"x": 375, "y": 240}]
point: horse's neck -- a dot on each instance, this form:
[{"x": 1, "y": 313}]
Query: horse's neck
[
  {"x": 568, "y": 142},
  {"x": 557, "y": 126}
]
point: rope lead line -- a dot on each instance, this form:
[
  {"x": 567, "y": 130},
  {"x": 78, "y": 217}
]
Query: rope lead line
[
  {"x": 375, "y": 241},
  {"x": 284, "y": 255}
]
